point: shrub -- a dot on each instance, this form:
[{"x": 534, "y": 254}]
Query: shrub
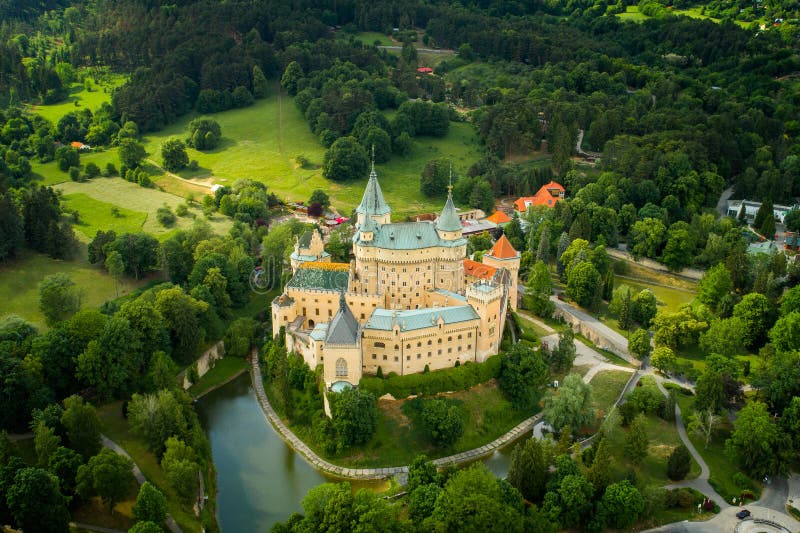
[
  {"x": 182, "y": 210},
  {"x": 92, "y": 170},
  {"x": 165, "y": 216},
  {"x": 450, "y": 379}
]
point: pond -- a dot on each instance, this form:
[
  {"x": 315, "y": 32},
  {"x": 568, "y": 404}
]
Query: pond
[{"x": 260, "y": 480}]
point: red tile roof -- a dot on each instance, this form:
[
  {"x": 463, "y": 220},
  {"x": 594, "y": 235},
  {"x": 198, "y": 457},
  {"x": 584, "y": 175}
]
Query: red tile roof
[
  {"x": 499, "y": 217},
  {"x": 544, "y": 196},
  {"x": 478, "y": 270},
  {"x": 502, "y": 249}
]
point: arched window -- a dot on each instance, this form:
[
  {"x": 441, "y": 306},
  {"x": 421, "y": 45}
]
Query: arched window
[{"x": 341, "y": 368}]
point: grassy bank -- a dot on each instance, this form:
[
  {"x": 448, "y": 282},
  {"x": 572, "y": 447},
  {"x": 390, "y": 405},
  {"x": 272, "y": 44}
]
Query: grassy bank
[
  {"x": 224, "y": 370},
  {"x": 606, "y": 388}
]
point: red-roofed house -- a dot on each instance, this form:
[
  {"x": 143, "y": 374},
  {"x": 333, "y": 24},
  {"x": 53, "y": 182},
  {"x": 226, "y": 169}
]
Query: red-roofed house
[
  {"x": 546, "y": 195},
  {"x": 425, "y": 70},
  {"x": 499, "y": 218},
  {"x": 79, "y": 145}
]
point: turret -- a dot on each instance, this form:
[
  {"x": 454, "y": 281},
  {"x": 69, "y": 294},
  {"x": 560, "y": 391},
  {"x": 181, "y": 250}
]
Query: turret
[
  {"x": 503, "y": 255},
  {"x": 448, "y": 225},
  {"x": 372, "y": 203}
]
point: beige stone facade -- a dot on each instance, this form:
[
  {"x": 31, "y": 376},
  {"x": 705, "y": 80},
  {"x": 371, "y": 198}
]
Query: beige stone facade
[{"x": 403, "y": 304}]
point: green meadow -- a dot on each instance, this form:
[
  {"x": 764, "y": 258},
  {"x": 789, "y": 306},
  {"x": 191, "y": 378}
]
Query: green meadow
[
  {"x": 19, "y": 289},
  {"x": 94, "y": 200},
  {"x": 79, "y": 98},
  {"x": 261, "y": 142}
]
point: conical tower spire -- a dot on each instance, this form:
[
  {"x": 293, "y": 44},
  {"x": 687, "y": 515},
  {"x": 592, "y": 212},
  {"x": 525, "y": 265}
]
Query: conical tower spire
[
  {"x": 448, "y": 220},
  {"x": 373, "y": 203}
]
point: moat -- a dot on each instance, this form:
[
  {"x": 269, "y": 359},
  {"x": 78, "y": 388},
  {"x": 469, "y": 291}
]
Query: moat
[{"x": 260, "y": 479}]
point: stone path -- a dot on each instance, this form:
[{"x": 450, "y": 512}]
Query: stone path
[
  {"x": 535, "y": 320},
  {"x": 137, "y": 472},
  {"x": 371, "y": 473}
]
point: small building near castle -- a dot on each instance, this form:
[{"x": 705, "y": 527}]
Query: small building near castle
[{"x": 409, "y": 300}]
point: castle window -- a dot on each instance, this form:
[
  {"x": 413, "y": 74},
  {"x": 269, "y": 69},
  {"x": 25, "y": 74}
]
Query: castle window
[
  {"x": 408, "y": 346},
  {"x": 459, "y": 348},
  {"x": 374, "y": 357},
  {"x": 439, "y": 353},
  {"x": 384, "y": 357},
  {"x": 449, "y": 350},
  {"x": 404, "y": 269},
  {"x": 330, "y": 313},
  {"x": 419, "y": 356},
  {"x": 459, "y": 337},
  {"x": 469, "y": 335},
  {"x": 419, "y": 344},
  {"x": 430, "y": 342},
  {"x": 469, "y": 346},
  {"x": 449, "y": 339},
  {"x": 341, "y": 368},
  {"x": 440, "y": 341},
  {"x": 396, "y": 347},
  {"x": 362, "y": 316},
  {"x": 380, "y": 345},
  {"x": 429, "y": 354},
  {"x": 396, "y": 359}
]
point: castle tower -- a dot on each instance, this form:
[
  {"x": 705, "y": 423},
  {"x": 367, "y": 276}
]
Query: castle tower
[
  {"x": 372, "y": 203},
  {"x": 503, "y": 255},
  {"x": 487, "y": 298},
  {"x": 342, "y": 350},
  {"x": 450, "y": 264},
  {"x": 448, "y": 225}
]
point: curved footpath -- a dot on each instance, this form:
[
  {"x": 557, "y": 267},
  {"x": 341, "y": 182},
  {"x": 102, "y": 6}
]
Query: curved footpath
[
  {"x": 372, "y": 473},
  {"x": 137, "y": 472}
]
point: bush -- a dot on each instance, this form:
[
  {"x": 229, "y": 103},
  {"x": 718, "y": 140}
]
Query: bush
[
  {"x": 165, "y": 216},
  {"x": 182, "y": 210},
  {"x": 443, "y": 421},
  {"x": 74, "y": 173},
  {"x": 450, "y": 379},
  {"x": 92, "y": 170}
]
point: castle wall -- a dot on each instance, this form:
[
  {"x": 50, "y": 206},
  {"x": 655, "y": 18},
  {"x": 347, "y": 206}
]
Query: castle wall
[{"x": 407, "y": 352}]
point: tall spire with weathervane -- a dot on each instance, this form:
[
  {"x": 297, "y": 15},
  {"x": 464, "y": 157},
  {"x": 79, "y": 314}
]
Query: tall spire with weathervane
[
  {"x": 448, "y": 223},
  {"x": 372, "y": 204}
]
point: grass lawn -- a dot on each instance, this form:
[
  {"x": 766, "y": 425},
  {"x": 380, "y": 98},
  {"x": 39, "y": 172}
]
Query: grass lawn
[
  {"x": 721, "y": 467},
  {"x": 96, "y": 215},
  {"x": 79, "y": 98},
  {"x": 224, "y": 370},
  {"x": 663, "y": 439},
  {"x": 103, "y": 193},
  {"x": 397, "y": 441},
  {"x": 530, "y": 330},
  {"x": 115, "y": 427},
  {"x": 369, "y": 38},
  {"x": 19, "y": 283},
  {"x": 261, "y": 142},
  {"x": 606, "y": 388}
]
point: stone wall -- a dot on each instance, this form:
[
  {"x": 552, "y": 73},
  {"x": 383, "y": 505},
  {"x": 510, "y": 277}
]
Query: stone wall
[
  {"x": 597, "y": 337},
  {"x": 688, "y": 273},
  {"x": 205, "y": 362}
]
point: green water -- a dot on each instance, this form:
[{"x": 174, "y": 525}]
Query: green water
[{"x": 260, "y": 480}]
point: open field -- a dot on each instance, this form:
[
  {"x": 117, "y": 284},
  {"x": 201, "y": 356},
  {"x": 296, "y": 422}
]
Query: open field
[
  {"x": 96, "y": 197},
  {"x": 79, "y": 98},
  {"x": 633, "y": 14},
  {"x": 19, "y": 283},
  {"x": 115, "y": 427},
  {"x": 261, "y": 142}
]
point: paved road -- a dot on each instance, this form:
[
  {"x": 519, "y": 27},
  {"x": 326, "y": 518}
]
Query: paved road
[
  {"x": 726, "y": 522},
  {"x": 775, "y": 495}
]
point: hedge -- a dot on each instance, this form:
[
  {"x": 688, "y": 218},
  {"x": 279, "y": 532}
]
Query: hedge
[{"x": 449, "y": 379}]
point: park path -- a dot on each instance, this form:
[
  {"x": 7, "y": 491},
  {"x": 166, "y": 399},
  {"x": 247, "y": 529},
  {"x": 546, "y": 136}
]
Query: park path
[
  {"x": 535, "y": 320},
  {"x": 185, "y": 180},
  {"x": 137, "y": 472},
  {"x": 322, "y": 465}
]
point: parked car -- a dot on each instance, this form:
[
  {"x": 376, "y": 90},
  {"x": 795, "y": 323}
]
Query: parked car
[{"x": 744, "y": 513}]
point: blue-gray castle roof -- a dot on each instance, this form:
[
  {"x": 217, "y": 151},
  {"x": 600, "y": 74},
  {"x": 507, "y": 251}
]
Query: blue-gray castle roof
[{"x": 386, "y": 319}]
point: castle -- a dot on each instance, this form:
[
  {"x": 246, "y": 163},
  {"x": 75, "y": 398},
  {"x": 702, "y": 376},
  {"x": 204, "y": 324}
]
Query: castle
[{"x": 409, "y": 299}]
